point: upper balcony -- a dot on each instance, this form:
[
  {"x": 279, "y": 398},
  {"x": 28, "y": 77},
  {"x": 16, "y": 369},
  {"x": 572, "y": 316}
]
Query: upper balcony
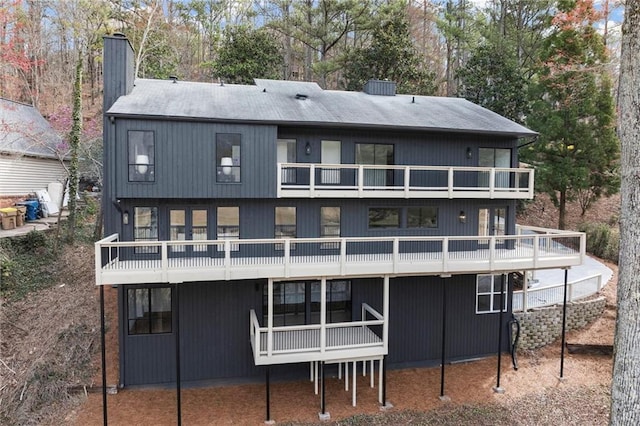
[
  {"x": 305, "y": 180},
  {"x": 130, "y": 262}
]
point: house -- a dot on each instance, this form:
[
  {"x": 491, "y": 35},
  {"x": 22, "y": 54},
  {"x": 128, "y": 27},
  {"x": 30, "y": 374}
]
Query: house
[
  {"x": 30, "y": 157},
  {"x": 255, "y": 228}
]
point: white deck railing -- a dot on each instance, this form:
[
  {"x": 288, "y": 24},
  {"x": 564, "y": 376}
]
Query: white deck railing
[
  {"x": 316, "y": 342},
  {"x": 538, "y": 297},
  {"x": 374, "y": 181},
  {"x": 130, "y": 262}
]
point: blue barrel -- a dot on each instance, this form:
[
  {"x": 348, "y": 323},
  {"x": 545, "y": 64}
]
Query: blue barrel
[{"x": 33, "y": 206}]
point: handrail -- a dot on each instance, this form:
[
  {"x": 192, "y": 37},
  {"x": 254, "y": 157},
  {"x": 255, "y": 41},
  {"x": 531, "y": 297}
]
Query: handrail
[
  {"x": 366, "y": 307},
  {"x": 556, "y": 297},
  {"x": 288, "y": 257},
  {"x": 411, "y": 181},
  {"x": 256, "y": 333}
]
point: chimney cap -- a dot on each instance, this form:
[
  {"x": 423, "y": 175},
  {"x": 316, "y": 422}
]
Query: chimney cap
[
  {"x": 380, "y": 87},
  {"x": 119, "y": 35}
]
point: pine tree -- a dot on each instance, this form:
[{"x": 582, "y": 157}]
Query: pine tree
[{"x": 572, "y": 108}]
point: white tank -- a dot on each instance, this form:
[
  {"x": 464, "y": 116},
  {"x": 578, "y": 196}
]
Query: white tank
[{"x": 55, "y": 190}]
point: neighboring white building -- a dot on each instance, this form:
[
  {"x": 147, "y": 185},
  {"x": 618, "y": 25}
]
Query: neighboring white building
[{"x": 29, "y": 152}]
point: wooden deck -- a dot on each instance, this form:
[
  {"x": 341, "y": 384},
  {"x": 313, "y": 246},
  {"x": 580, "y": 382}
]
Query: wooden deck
[
  {"x": 118, "y": 263},
  {"x": 306, "y": 180}
]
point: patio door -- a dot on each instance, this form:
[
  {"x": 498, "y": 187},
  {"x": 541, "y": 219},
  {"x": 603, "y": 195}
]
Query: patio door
[
  {"x": 330, "y": 153},
  {"x": 188, "y": 224},
  {"x": 495, "y": 157},
  {"x": 298, "y": 303},
  {"x": 492, "y": 221},
  {"x": 376, "y": 154},
  {"x": 286, "y": 153}
]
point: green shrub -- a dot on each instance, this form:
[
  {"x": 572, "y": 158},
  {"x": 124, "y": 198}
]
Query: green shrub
[
  {"x": 603, "y": 240},
  {"x": 26, "y": 263}
]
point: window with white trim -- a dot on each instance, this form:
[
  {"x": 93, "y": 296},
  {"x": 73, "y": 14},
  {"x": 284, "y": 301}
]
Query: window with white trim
[{"x": 488, "y": 293}]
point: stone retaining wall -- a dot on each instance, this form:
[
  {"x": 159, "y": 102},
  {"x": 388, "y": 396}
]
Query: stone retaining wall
[{"x": 541, "y": 326}]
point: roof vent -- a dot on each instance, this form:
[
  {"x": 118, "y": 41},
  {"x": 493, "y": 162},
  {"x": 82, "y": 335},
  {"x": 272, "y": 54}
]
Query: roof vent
[
  {"x": 380, "y": 87},
  {"x": 173, "y": 78},
  {"x": 301, "y": 96}
]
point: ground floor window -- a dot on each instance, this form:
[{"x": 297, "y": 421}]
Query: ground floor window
[
  {"x": 149, "y": 310},
  {"x": 298, "y": 303},
  {"x": 488, "y": 293}
]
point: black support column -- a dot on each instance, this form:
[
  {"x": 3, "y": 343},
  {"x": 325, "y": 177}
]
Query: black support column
[
  {"x": 444, "y": 338},
  {"x": 564, "y": 324},
  {"x": 268, "y": 396},
  {"x": 177, "y": 335},
  {"x": 104, "y": 357}
]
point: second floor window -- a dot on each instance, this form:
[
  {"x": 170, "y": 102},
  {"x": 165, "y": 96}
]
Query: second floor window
[
  {"x": 228, "y": 157},
  {"x": 141, "y": 156},
  {"x": 285, "y": 222},
  {"x": 384, "y": 217},
  {"x": 330, "y": 226},
  {"x": 422, "y": 217},
  {"x": 228, "y": 224}
]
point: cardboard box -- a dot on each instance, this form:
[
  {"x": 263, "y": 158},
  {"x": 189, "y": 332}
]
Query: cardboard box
[
  {"x": 22, "y": 210},
  {"x": 8, "y": 215}
]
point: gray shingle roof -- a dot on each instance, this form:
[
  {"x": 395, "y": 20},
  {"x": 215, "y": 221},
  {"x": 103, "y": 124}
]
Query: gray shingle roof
[
  {"x": 24, "y": 131},
  {"x": 275, "y": 102}
]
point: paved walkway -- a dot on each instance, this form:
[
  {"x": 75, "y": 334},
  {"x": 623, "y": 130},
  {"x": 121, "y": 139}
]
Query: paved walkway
[
  {"x": 547, "y": 286},
  {"x": 589, "y": 268},
  {"x": 40, "y": 224}
]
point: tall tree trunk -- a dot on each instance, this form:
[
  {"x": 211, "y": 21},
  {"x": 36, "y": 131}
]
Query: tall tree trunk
[
  {"x": 625, "y": 388},
  {"x": 562, "y": 210},
  {"x": 74, "y": 139}
]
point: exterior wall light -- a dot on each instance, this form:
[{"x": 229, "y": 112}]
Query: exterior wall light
[
  {"x": 462, "y": 217},
  {"x": 469, "y": 153},
  {"x": 125, "y": 218},
  {"x": 307, "y": 149}
]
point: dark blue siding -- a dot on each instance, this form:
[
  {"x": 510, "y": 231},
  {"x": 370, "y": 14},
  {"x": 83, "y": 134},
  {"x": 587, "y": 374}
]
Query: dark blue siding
[
  {"x": 257, "y": 217},
  {"x": 415, "y": 321},
  {"x": 214, "y": 328},
  {"x": 214, "y": 336},
  {"x": 185, "y": 160}
]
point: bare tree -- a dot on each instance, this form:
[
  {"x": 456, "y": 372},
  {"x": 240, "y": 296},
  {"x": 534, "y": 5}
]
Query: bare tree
[{"x": 625, "y": 391}]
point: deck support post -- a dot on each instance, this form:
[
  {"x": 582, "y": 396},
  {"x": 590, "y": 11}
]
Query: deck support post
[
  {"x": 178, "y": 399},
  {"x": 384, "y": 381},
  {"x": 444, "y": 337},
  {"x": 385, "y": 313},
  {"x": 268, "y": 396},
  {"x": 564, "y": 324},
  {"x": 497, "y": 388},
  {"x": 322, "y": 392},
  {"x": 269, "y": 317},
  {"x": 104, "y": 357}
]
